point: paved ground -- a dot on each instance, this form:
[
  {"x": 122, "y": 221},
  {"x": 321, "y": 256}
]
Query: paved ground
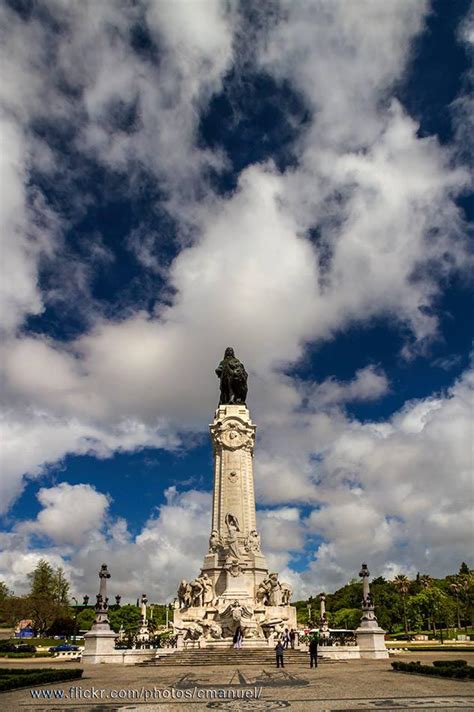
[{"x": 352, "y": 685}]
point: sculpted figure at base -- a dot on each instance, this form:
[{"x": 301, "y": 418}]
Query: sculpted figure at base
[
  {"x": 253, "y": 541},
  {"x": 184, "y": 594},
  {"x": 215, "y": 542},
  {"x": 233, "y": 378},
  {"x": 208, "y": 590},
  {"x": 197, "y": 590},
  {"x": 286, "y": 592},
  {"x": 269, "y": 592},
  {"x": 213, "y": 631}
]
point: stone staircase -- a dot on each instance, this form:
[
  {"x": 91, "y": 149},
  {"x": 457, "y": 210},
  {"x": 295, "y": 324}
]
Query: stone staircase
[{"x": 227, "y": 657}]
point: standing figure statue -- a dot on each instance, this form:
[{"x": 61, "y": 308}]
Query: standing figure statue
[
  {"x": 184, "y": 594},
  {"x": 233, "y": 378},
  {"x": 232, "y": 544}
]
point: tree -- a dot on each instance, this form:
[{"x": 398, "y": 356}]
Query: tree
[
  {"x": 432, "y": 605},
  {"x": 60, "y": 587},
  {"x": 14, "y": 609},
  {"x": 129, "y": 616},
  {"x": 85, "y": 619},
  {"x": 402, "y": 585},
  {"x": 464, "y": 569},
  {"x": 456, "y": 588},
  {"x": 348, "y": 618},
  {"x": 47, "y": 600},
  {"x": 62, "y": 626},
  {"x": 42, "y": 580},
  {"x": 4, "y": 591}
]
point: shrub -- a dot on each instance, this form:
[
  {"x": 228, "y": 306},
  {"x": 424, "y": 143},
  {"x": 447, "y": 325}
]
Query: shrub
[
  {"x": 10, "y": 678},
  {"x": 461, "y": 672},
  {"x": 450, "y": 663}
]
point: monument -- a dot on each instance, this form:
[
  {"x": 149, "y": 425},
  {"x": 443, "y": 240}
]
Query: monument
[
  {"x": 234, "y": 587},
  {"x": 370, "y": 636},
  {"x": 99, "y": 642}
]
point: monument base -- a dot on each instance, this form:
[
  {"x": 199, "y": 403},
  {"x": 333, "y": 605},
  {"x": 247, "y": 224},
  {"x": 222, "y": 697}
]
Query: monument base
[
  {"x": 214, "y": 626},
  {"x": 99, "y": 646},
  {"x": 371, "y": 642}
]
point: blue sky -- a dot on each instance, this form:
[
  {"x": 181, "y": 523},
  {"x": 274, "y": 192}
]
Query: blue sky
[{"x": 289, "y": 178}]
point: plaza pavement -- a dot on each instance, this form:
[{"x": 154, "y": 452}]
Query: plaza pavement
[{"x": 342, "y": 685}]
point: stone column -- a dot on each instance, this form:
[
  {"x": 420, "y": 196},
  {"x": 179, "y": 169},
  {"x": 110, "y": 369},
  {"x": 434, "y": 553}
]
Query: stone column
[
  {"x": 99, "y": 642},
  {"x": 143, "y": 634},
  {"x": 323, "y": 621},
  {"x": 235, "y": 562},
  {"x": 370, "y": 637}
]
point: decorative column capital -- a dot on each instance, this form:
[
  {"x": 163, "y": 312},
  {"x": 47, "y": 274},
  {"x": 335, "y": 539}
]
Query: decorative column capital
[{"x": 364, "y": 571}]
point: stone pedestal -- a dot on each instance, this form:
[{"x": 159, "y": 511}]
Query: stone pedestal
[
  {"x": 371, "y": 642},
  {"x": 99, "y": 646}
]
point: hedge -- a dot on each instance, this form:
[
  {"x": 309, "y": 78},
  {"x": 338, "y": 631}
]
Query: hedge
[
  {"x": 461, "y": 671},
  {"x": 450, "y": 663},
  {"x": 26, "y": 655},
  {"x": 10, "y": 678}
]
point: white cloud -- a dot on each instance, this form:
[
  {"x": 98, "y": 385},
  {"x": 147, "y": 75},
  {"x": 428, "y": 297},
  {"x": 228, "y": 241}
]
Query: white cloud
[
  {"x": 69, "y": 514},
  {"x": 368, "y": 384}
]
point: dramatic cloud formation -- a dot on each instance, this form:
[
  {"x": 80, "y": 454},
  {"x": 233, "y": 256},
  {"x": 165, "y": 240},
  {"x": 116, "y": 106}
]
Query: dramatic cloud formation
[{"x": 365, "y": 223}]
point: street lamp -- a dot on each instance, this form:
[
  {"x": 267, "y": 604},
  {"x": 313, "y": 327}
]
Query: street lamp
[{"x": 75, "y": 616}]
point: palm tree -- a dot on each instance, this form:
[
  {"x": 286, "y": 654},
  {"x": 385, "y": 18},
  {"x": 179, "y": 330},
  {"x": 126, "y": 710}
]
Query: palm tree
[
  {"x": 402, "y": 584},
  {"x": 426, "y": 580},
  {"x": 456, "y": 588}
]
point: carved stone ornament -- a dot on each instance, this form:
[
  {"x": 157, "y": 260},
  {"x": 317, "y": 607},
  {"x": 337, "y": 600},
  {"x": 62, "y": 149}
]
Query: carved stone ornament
[{"x": 233, "y": 434}]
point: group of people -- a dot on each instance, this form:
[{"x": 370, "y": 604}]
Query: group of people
[{"x": 286, "y": 639}]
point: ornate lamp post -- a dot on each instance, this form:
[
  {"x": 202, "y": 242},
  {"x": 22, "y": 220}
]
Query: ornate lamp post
[
  {"x": 370, "y": 637},
  {"x": 75, "y": 616}
]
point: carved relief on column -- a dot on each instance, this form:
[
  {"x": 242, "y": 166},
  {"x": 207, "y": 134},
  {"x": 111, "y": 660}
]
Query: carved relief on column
[{"x": 233, "y": 433}]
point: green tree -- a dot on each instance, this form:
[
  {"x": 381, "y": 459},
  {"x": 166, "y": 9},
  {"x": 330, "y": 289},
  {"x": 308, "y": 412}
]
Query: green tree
[
  {"x": 85, "y": 619},
  {"x": 431, "y": 604},
  {"x": 347, "y": 618},
  {"x": 129, "y": 616},
  {"x": 464, "y": 569},
  {"x": 42, "y": 580},
  {"x": 456, "y": 588},
  {"x": 402, "y": 585},
  {"x": 60, "y": 587},
  {"x": 47, "y": 600}
]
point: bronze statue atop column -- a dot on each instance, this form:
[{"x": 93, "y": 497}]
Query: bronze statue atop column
[{"x": 233, "y": 378}]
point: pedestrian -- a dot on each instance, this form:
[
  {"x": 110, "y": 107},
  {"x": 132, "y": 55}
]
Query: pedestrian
[
  {"x": 279, "y": 654},
  {"x": 238, "y": 638},
  {"x": 313, "y": 652},
  {"x": 292, "y": 638},
  {"x": 286, "y": 638}
]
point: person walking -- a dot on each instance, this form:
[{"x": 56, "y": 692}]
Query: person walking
[
  {"x": 279, "y": 654},
  {"x": 286, "y": 638},
  {"x": 292, "y": 638},
  {"x": 238, "y": 638},
  {"x": 313, "y": 652}
]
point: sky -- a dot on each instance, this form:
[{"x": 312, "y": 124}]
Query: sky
[{"x": 288, "y": 178}]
